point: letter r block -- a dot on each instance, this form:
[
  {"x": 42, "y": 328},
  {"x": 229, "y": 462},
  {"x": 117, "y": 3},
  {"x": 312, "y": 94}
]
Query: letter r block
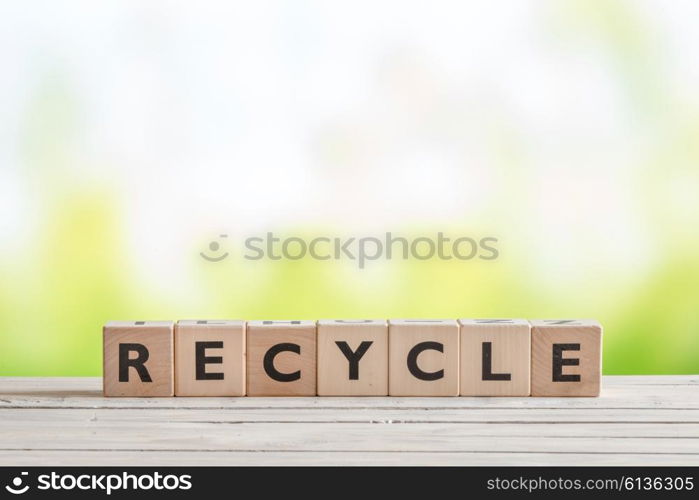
[
  {"x": 210, "y": 358},
  {"x": 138, "y": 359},
  {"x": 566, "y": 357},
  {"x": 281, "y": 358},
  {"x": 423, "y": 357},
  {"x": 352, "y": 357}
]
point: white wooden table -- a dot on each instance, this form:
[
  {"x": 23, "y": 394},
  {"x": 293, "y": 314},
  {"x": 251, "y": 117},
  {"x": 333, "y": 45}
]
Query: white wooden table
[{"x": 66, "y": 421}]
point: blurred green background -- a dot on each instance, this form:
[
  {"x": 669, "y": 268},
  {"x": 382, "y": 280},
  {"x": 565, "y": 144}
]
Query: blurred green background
[{"x": 134, "y": 133}]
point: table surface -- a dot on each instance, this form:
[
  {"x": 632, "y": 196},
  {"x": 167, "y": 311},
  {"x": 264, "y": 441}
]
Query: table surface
[{"x": 649, "y": 420}]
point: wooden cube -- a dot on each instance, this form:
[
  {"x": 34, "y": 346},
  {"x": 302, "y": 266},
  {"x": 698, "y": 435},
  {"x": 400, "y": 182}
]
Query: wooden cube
[
  {"x": 495, "y": 357},
  {"x": 281, "y": 358},
  {"x": 352, "y": 357},
  {"x": 566, "y": 357},
  {"x": 423, "y": 357},
  {"x": 138, "y": 358},
  {"x": 210, "y": 358}
]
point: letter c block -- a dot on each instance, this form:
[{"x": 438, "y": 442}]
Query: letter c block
[
  {"x": 423, "y": 357},
  {"x": 281, "y": 358}
]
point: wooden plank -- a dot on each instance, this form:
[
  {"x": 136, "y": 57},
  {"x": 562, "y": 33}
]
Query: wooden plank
[
  {"x": 15, "y": 432},
  {"x": 675, "y": 392},
  {"x": 678, "y": 400},
  {"x": 352, "y": 437},
  {"x": 18, "y": 384},
  {"x": 657, "y": 416},
  {"x": 320, "y": 458}
]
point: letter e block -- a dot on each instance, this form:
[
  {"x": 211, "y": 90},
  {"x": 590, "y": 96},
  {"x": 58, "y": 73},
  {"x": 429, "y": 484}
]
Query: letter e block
[
  {"x": 352, "y": 357},
  {"x": 566, "y": 357},
  {"x": 423, "y": 357},
  {"x": 138, "y": 358},
  {"x": 281, "y": 358},
  {"x": 210, "y": 358}
]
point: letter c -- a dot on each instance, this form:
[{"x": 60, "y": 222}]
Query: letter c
[
  {"x": 268, "y": 362},
  {"x": 412, "y": 361}
]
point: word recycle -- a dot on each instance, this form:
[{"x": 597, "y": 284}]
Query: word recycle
[{"x": 366, "y": 357}]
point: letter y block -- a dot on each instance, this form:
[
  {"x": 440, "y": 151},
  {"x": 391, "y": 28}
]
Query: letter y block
[{"x": 353, "y": 357}]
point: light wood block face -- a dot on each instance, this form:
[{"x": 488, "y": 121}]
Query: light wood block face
[
  {"x": 352, "y": 357},
  {"x": 423, "y": 357},
  {"x": 566, "y": 357},
  {"x": 281, "y": 358},
  {"x": 495, "y": 357},
  {"x": 138, "y": 358},
  {"x": 210, "y": 358}
]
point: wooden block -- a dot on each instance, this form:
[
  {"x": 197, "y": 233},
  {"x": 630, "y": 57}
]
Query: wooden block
[
  {"x": 495, "y": 357},
  {"x": 138, "y": 358},
  {"x": 423, "y": 357},
  {"x": 566, "y": 357},
  {"x": 352, "y": 357},
  {"x": 210, "y": 358},
  {"x": 281, "y": 358}
]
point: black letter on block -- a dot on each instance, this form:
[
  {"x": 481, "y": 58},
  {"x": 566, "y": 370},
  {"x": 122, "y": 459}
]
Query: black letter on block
[
  {"x": 202, "y": 360},
  {"x": 138, "y": 363},
  {"x": 488, "y": 365},
  {"x": 268, "y": 363},
  {"x": 412, "y": 361},
  {"x": 354, "y": 357},
  {"x": 559, "y": 362}
]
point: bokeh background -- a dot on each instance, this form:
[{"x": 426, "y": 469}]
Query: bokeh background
[{"x": 134, "y": 133}]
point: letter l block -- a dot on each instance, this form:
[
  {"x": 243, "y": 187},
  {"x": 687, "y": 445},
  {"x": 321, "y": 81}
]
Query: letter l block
[{"x": 495, "y": 357}]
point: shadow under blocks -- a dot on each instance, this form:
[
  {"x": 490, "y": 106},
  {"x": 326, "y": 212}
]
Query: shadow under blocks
[{"x": 353, "y": 357}]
